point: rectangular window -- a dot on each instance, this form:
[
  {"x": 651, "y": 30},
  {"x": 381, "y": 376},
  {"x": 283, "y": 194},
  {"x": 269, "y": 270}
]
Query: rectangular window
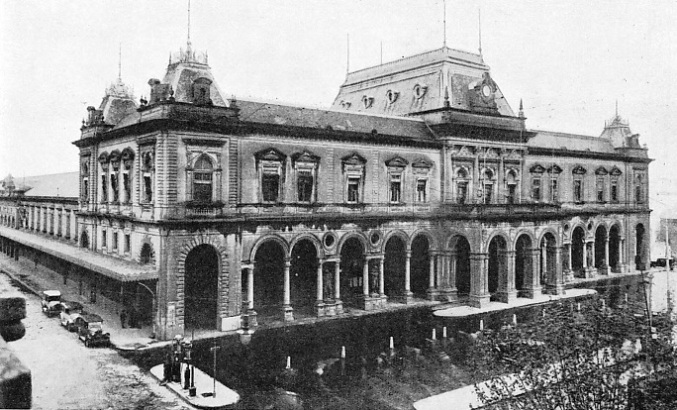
[
  {"x": 638, "y": 193},
  {"x": 271, "y": 187},
  {"x": 536, "y": 189},
  {"x": 488, "y": 193},
  {"x": 127, "y": 187},
  {"x": 304, "y": 186},
  {"x": 462, "y": 192},
  {"x": 104, "y": 239},
  {"x": 147, "y": 188},
  {"x": 554, "y": 190},
  {"x": 115, "y": 241},
  {"x": 85, "y": 190},
  {"x": 421, "y": 186},
  {"x": 614, "y": 191},
  {"x": 202, "y": 186},
  {"x": 353, "y": 190},
  {"x": 578, "y": 190},
  {"x": 114, "y": 187},
  {"x": 512, "y": 189},
  {"x": 395, "y": 188},
  {"x": 600, "y": 190},
  {"x": 104, "y": 189},
  {"x": 128, "y": 243}
]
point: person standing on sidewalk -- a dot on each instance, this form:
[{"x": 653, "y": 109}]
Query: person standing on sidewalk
[{"x": 123, "y": 317}]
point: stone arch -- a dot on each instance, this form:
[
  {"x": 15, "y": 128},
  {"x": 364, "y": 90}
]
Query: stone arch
[
  {"x": 556, "y": 236},
  {"x": 201, "y": 271},
  {"x": 276, "y": 238},
  {"x": 528, "y": 232},
  {"x": 460, "y": 248},
  {"x": 524, "y": 266},
  {"x": 615, "y": 243},
  {"x": 498, "y": 233},
  {"x": 432, "y": 239},
  {"x": 497, "y": 265},
  {"x": 452, "y": 239},
  {"x": 354, "y": 234},
  {"x": 303, "y": 263},
  {"x": 309, "y": 237},
  {"x": 395, "y": 233},
  {"x": 421, "y": 249},
  {"x": 601, "y": 243},
  {"x": 394, "y": 263},
  {"x": 578, "y": 249}
]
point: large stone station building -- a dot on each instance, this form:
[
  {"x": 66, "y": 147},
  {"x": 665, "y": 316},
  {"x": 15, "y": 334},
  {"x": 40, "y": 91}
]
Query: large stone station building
[{"x": 418, "y": 183}]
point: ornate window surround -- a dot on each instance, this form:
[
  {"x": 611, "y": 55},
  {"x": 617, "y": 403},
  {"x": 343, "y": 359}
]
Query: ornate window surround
[{"x": 353, "y": 168}]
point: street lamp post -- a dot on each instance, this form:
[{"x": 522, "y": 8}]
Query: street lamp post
[{"x": 214, "y": 349}]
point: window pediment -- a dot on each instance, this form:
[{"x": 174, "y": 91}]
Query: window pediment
[
  {"x": 422, "y": 163},
  {"x": 555, "y": 169},
  {"x": 615, "y": 171},
  {"x": 601, "y": 171},
  {"x": 306, "y": 158},
  {"x": 579, "y": 170},
  {"x": 537, "y": 169},
  {"x": 271, "y": 155},
  {"x": 397, "y": 162},
  {"x": 103, "y": 157},
  {"x": 353, "y": 159}
]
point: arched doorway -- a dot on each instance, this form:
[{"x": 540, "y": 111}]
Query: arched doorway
[
  {"x": 352, "y": 262},
  {"x": 84, "y": 240},
  {"x": 394, "y": 266},
  {"x": 640, "y": 262},
  {"x": 146, "y": 255},
  {"x": 420, "y": 265},
  {"x": 600, "y": 250},
  {"x": 497, "y": 264},
  {"x": 461, "y": 247},
  {"x": 614, "y": 248},
  {"x": 303, "y": 274},
  {"x": 523, "y": 266},
  {"x": 577, "y": 251},
  {"x": 201, "y": 288},
  {"x": 269, "y": 277},
  {"x": 549, "y": 261}
]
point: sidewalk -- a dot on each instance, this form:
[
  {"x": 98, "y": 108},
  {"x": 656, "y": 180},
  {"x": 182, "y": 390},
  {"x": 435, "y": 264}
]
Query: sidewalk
[
  {"x": 121, "y": 339},
  {"x": 204, "y": 385}
]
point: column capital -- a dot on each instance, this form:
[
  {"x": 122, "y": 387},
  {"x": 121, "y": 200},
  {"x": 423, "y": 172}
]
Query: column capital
[{"x": 374, "y": 256}]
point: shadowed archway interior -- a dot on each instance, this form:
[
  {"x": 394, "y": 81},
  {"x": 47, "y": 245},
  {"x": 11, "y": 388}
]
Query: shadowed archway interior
[{"x": 201, "y": 288}]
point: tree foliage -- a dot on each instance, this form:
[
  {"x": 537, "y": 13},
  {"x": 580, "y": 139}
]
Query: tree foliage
[{"x": 580, "y": 355}]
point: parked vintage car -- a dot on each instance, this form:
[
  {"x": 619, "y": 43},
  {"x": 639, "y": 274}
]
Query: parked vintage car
[
  {"x": 90, "y": 330},
  {"x": 51, "y": 301},
  {"x": 69, "y": 312}
]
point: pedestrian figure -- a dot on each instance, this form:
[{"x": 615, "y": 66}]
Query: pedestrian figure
[
  {"x": 123, "y": 318},
  {"x": 167, "y": 369},
  {"x": 186, "y": 378}
]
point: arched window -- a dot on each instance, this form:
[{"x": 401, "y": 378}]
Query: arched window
[
  {"x": 202, "y": 180},
  {"x": 146, "y": 256},
  {"x": 462, "y": 186},
  {"x": 511, "y": 183}
]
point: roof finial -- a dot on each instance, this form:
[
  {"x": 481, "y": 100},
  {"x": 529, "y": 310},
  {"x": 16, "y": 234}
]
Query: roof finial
[
  {"x": 521, "y": 111},
  {"x": 188, "y": 44},
  {"x": 616, "y": 107},
  {"x": 444, "y": 22},
  {"x": 347, "y": 53},
  {"x": 120, "y": 62},
  {"x": 479, "y": 20}
]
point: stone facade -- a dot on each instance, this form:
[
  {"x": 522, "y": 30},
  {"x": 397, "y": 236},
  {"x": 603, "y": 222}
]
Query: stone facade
[{"x": 420, "y": 182}]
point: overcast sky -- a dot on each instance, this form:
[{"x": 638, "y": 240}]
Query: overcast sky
[{"x": 570, "y": 61}]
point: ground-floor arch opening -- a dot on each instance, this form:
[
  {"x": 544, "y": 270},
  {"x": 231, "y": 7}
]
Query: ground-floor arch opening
[
  {"x": 577, "y": 251},
  {"x": 461, "y": 247},
  {"x": 615, "y": 249},
  {"x": 201, "y": 288},
  {"x": 303, "y": 274},
  {"x": 600, "y": 249},
  {"x": 394, "y": 266},
  {"x": 268, "y": 277},
  {"x": 549, "y": 260},
  {"x": 640, "y": 254},
  {"x": 352, "y": 263},
  {"x": 523, "y": 265},
  {"x": 84, "y": 240},
  {"x": 420, "y": 265},
  {"x": 497, "y": 264}
]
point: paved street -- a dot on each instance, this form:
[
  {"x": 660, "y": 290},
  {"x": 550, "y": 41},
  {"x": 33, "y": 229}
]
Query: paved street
[{"x": 67, "y": 375}]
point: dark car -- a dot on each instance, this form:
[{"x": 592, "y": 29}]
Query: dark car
[
  {"x": 90, "y": 330},
  {"x": 51, "y": 302},
  {"x": 69, "y": 312}
]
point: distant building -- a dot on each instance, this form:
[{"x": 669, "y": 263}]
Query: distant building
[{"x": 420, "y": 182}]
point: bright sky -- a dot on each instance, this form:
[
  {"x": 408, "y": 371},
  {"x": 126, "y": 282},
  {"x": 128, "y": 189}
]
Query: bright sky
[{"x": 570, "y": 61}]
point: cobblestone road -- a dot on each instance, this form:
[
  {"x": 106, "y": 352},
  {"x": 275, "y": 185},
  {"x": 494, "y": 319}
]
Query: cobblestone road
[{"x": 67, "y": 375}]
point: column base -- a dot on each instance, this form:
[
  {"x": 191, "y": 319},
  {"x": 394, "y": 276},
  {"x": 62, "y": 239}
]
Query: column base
[
  {"x": 506, "y": 296},
  {"x": 320, "y": 309},
  {"x": 448, "y": 295},
  {"x": 568, "y": 276},
  {"x": 329, "y": 308},
  {"x": 249, "y": 319},
  {"x": 557, "y": 289},
  {"x": 432, "y": 294},
  {"x": 338, "y": 306},
  {"x": 288, "y": 313},
  {"x": 530, "y": 293},
  {"x": 479, "y": 301},
  {"x": 603, "y": 270},
  {"x": 589, "y": 273},
  {"x": 372, "y": 302},
  {"x": 408, "y": 297}
]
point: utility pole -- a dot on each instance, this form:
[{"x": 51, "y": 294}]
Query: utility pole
[{"x": 214, "y": 349}]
